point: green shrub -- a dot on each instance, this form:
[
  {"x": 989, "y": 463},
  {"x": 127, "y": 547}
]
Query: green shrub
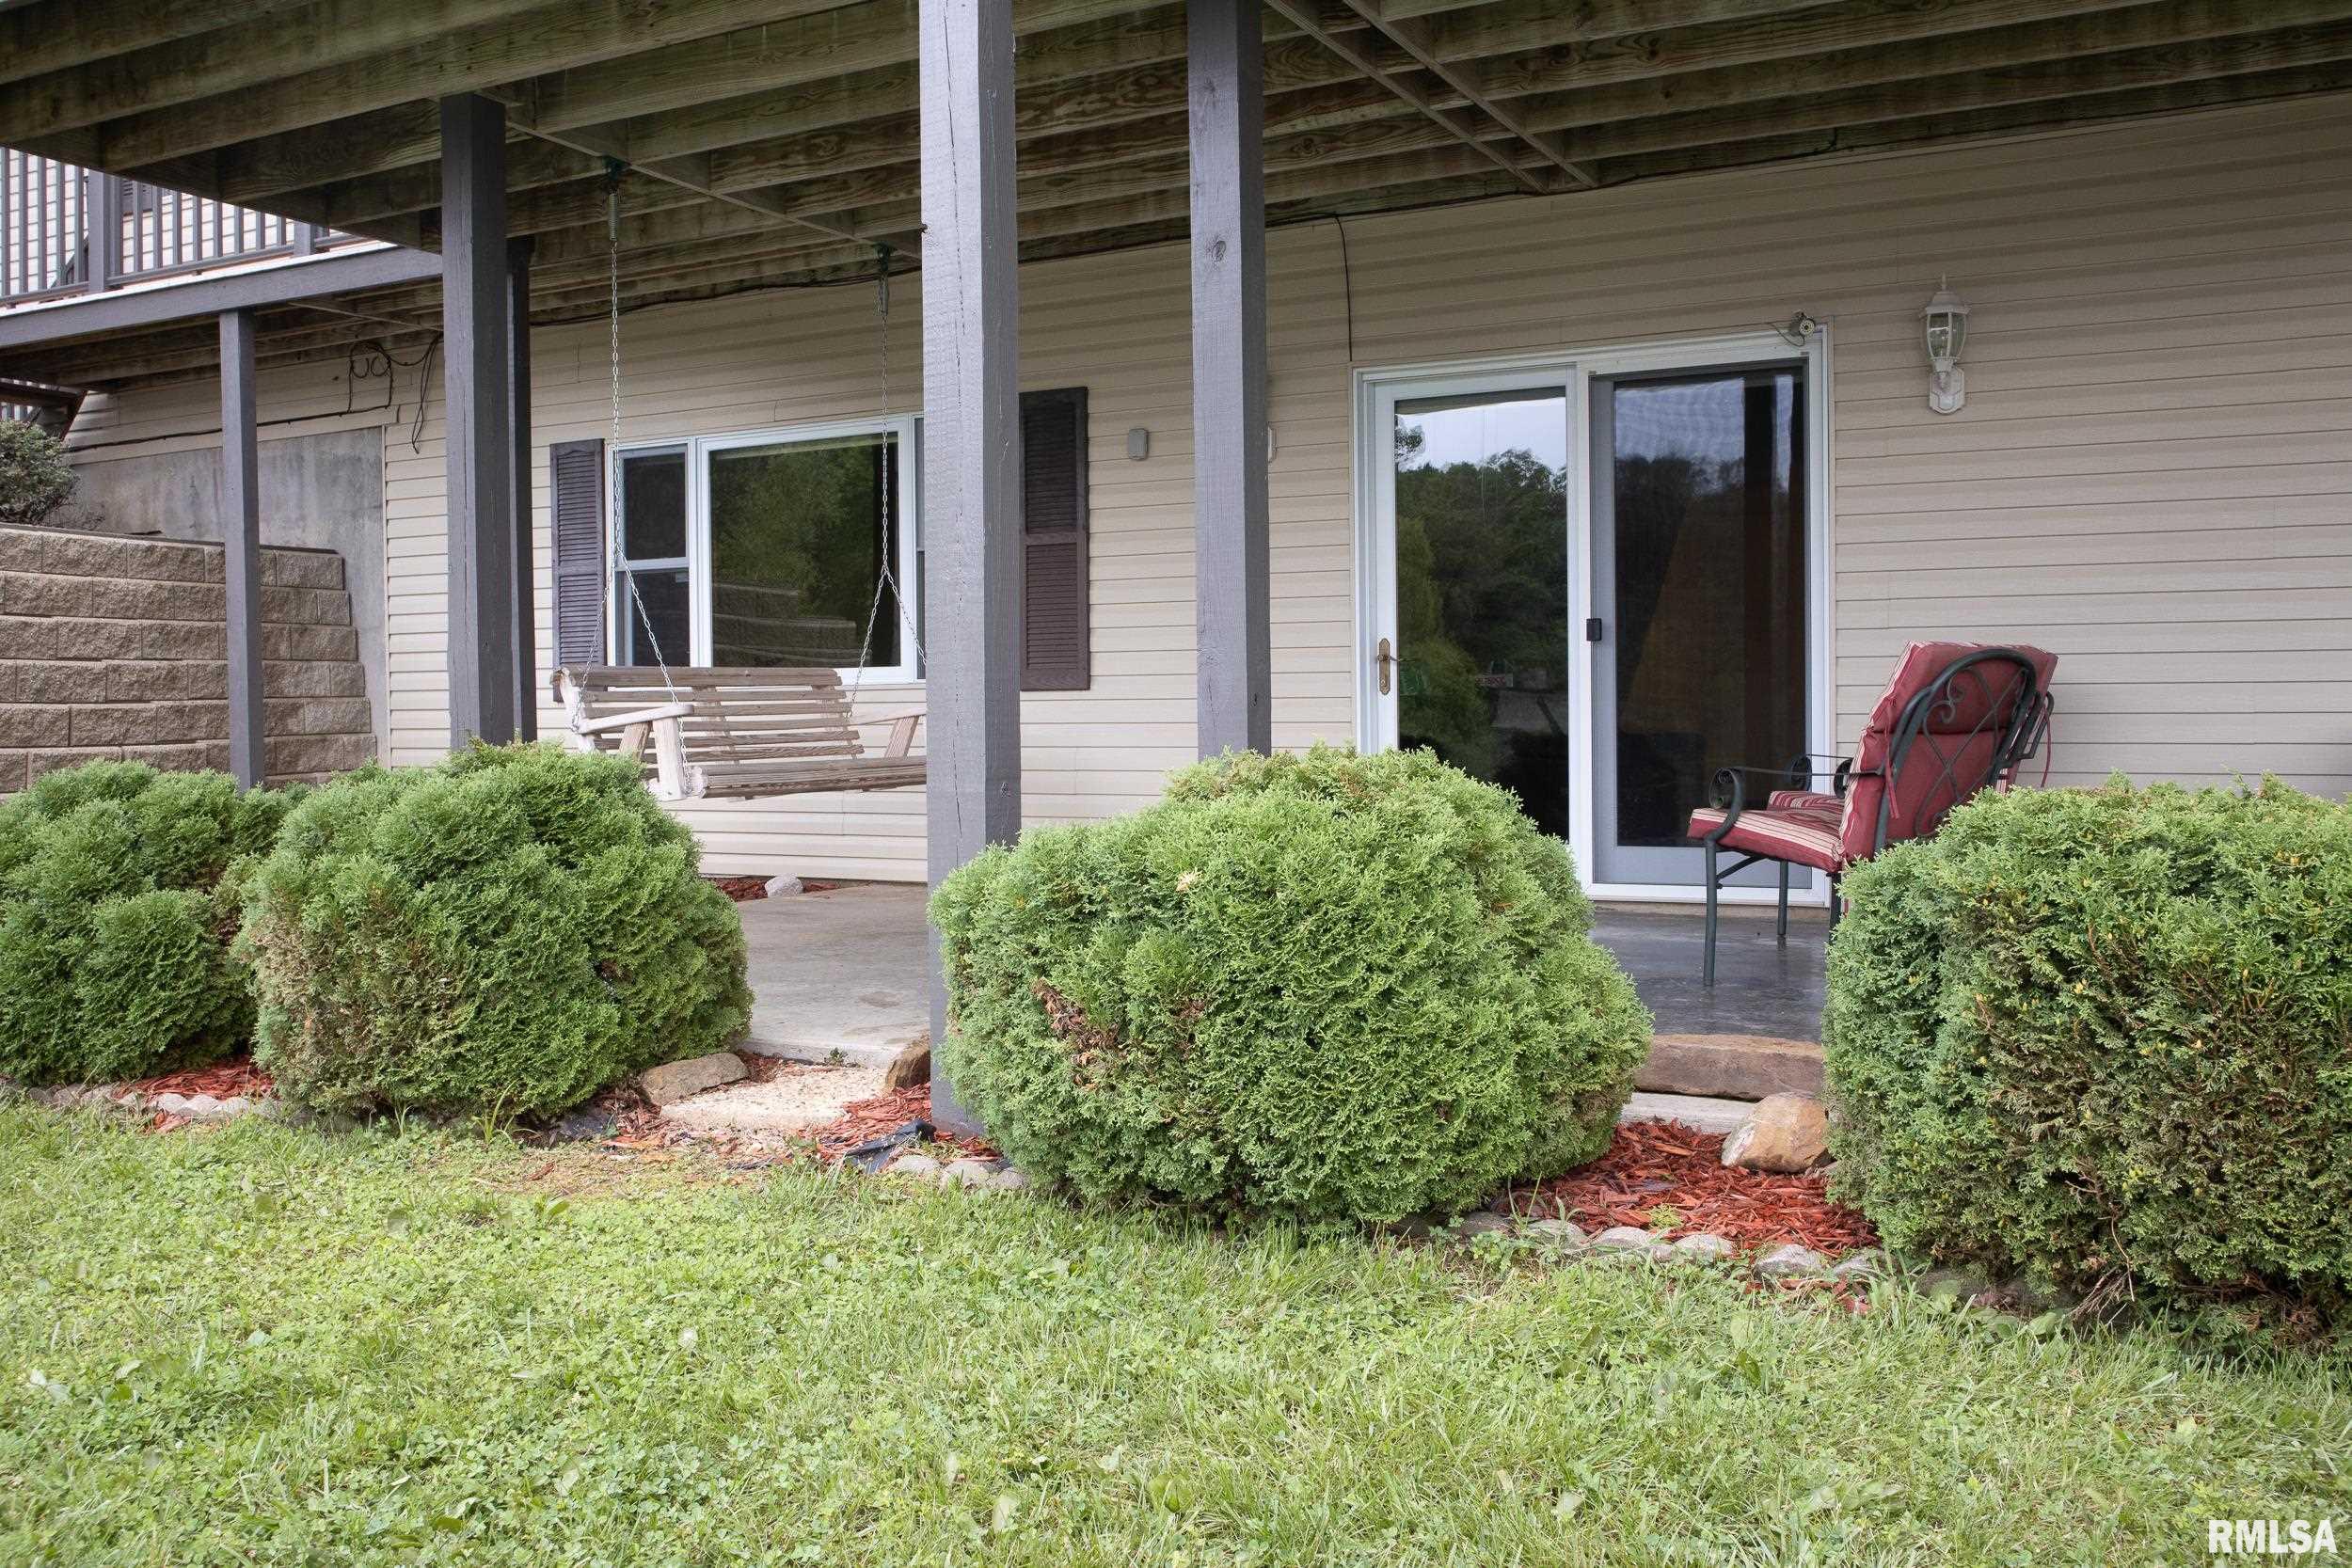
[
  {"x": 508, "y": 931},
  {"x": 118, "y": 892},
  {"x": 2106, "y": 1037},
  {"x": 1331, "y": 986},
  {"x": 34, "y": 478}
]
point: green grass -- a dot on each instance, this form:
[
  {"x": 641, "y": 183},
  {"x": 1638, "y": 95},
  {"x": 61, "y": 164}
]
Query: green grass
[{"x": 262, "y": 1346}]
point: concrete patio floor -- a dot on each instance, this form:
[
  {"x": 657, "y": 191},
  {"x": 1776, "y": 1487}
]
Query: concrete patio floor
[{"x": 839, "y": 975}]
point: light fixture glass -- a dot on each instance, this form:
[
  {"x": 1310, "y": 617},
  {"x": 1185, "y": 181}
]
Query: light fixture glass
[{"x": 1945, "y": 322}]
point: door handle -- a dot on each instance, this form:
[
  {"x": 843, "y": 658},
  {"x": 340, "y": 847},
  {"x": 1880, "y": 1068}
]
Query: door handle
[{"x": 1384, "y": 661}]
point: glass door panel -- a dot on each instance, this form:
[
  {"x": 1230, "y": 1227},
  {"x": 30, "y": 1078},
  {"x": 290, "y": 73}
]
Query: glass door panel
[
  {"x": 1480, "y": 634},
  {"x": 1699, "y": 572}
]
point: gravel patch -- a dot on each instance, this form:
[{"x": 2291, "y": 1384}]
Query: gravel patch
[{"x": 795, "y": 1100}]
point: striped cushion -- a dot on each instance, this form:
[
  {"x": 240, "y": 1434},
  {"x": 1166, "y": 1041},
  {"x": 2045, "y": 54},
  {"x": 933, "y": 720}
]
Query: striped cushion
[
  {"x": 1807, "y": 800},
  {"x": 1799, "y": 837}
]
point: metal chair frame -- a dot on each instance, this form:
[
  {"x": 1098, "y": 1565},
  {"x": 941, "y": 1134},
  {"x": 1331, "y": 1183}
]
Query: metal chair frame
[{"x": 2028, "y": 722}]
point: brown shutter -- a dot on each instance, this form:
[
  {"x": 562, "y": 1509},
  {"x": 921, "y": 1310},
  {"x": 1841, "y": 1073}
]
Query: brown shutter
[
  {"x": 575, "y": 477},
  {"x": 1054, "y": 625}
]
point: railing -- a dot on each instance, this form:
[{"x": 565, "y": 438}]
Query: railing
[{"x": 70, "y": 231}]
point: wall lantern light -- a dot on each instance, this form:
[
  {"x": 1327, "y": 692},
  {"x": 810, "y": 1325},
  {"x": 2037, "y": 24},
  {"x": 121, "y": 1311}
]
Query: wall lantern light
[{"x": 1947, "y": 324}]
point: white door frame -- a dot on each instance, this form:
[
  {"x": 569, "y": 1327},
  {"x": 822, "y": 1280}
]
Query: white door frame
[{"x": 1375, "y": 392}]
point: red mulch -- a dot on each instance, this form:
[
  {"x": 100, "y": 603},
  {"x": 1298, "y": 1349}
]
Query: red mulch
[
  {"x": 744, "y": 889},
  {"x": 224, "y": 1082},
  {"x": 1656, "y": 1165},
  {"x": 887, "y": 1112}
]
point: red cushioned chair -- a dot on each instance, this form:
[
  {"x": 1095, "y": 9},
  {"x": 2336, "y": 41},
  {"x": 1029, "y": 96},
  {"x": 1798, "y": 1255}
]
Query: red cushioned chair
[{"x": 1956, "y": 718}]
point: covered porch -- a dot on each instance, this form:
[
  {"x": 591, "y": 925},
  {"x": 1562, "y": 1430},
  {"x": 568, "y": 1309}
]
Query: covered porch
[
  {"x": 577, "y": 162},
  {"x": 836, "y": 973}
]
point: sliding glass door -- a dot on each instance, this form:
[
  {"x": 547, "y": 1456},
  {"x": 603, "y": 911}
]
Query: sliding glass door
[
  {"x": 1699, "y": 572},
  {"x": 1473, "y": 662},
  {"x": 1596, "y": 581}
]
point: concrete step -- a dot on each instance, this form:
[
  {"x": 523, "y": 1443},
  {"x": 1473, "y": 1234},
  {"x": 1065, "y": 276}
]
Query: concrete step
[{"x": 1702, "y": 1112}]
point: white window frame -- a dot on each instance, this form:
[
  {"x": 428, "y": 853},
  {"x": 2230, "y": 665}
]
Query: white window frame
[{"x": 906, "y": 518}]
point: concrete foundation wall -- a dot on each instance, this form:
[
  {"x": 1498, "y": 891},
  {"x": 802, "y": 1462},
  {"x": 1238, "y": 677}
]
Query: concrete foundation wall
[
  {"x": 117, "y": 648},
  {"x": 320, "y": 491}
]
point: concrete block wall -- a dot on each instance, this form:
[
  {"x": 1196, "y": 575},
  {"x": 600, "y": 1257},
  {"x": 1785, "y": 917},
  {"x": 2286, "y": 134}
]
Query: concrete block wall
[{"x": 117, "y": 648}]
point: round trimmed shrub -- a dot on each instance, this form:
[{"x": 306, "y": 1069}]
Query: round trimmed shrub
[
  {"x": 118, "y": 895},
  {"x": 1331, "y": 986},
  {"x": 2105, "y": 1037},
  {"x": 506, "y": 933}
]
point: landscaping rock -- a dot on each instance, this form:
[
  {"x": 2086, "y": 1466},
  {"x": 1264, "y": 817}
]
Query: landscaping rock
[
  {"x": 1622, "y": 1238},
  {"x": 1564, "y": 1234},
  {"x": 1860, "y": 1266},
  {"x": 1704, "y": 1247},
  {"x": 170, "y": 1104},
  {"x": 585, "y": 1125},
  {"x": 203, "y": 1107},
  {"x": 783, "y": 887},
  {"x": 672, "y": 1081},
  {"x": 1481, "y": 1224},
  {"x": 1785, "y": 1132},
  {"x": 912, "y": 1066},
  {"x": 966, "y": 1173},
  {"x": 914, "y": 1165},
  {"x": 1789, "y": 1261},
  {"x": 1007, "y": 1181}
]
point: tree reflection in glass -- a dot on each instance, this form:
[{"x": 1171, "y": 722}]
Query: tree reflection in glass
[{"x": 1482, "y": 590}]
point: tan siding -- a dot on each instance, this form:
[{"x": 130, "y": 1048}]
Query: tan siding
[{"x": 2153, "y": 476}]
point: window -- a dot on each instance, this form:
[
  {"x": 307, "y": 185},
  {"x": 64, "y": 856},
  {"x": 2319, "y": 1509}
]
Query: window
[{"x": 768, "y": 549}]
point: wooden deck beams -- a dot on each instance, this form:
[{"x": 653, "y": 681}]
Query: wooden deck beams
[{"x": 772, "y": 141}]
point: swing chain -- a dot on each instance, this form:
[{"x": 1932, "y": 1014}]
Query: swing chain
[
  {"x": 886, "y": 580},
  {"x": 613, "y": 168}
]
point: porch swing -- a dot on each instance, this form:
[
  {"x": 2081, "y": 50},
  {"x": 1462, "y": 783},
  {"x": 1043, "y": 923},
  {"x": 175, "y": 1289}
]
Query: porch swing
[{"x": 744, "y": 733}]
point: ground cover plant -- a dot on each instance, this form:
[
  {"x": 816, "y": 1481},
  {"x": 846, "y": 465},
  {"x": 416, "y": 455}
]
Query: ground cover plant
[
  {"x": 503, "y": 933},
  {"x": 119, "y": 895},
  {"x": 262, "y": 1347},
  {"x": 1337, "y": 987},
  {"x": 2105, "y": 1037}
]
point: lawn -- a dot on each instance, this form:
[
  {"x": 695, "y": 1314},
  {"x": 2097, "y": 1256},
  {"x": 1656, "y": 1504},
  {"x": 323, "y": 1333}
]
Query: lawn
[{"x": 256, "y": 1345}]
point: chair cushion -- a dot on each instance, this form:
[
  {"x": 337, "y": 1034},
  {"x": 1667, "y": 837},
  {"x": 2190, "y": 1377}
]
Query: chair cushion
[
  {"x": 1800, "y": 837},
  {"x": 1807, "y": 800},
  {"x": 1954, "y": 751}
]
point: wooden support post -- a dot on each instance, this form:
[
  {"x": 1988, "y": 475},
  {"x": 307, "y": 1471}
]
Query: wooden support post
[
  {"x": 241, "y": 533},
  {"x": 102, "y": 228},
  {"x": 1227, "y": 117},
  {"x": 971, "y": 452},
  {"x": 526, "y": 628},
  {"x": 480, "y": 447}
]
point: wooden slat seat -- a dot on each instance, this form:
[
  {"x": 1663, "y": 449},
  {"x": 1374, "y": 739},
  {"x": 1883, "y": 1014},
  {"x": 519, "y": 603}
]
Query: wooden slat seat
[{"x": 736, "y": 734}]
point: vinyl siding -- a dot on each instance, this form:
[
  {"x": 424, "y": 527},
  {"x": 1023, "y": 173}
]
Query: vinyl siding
[{"x": 2152, "y": 475}]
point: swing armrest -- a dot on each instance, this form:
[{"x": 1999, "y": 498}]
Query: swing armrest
[
  {"x": 636, "y": 716},
  {"x": 901, "y": 730}
]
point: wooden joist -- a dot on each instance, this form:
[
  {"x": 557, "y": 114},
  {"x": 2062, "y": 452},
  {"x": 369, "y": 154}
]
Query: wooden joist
[{"x": 773, "y": 141}]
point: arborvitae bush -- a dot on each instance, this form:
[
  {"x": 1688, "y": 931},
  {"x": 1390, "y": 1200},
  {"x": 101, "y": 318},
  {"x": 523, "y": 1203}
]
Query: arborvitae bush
[
  {"x": 2105, "y": 1037},
  {"x": 506, "y": 933},
  {"x": 1331, "y": 986},
  {"x": 118, "y": 892}
]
